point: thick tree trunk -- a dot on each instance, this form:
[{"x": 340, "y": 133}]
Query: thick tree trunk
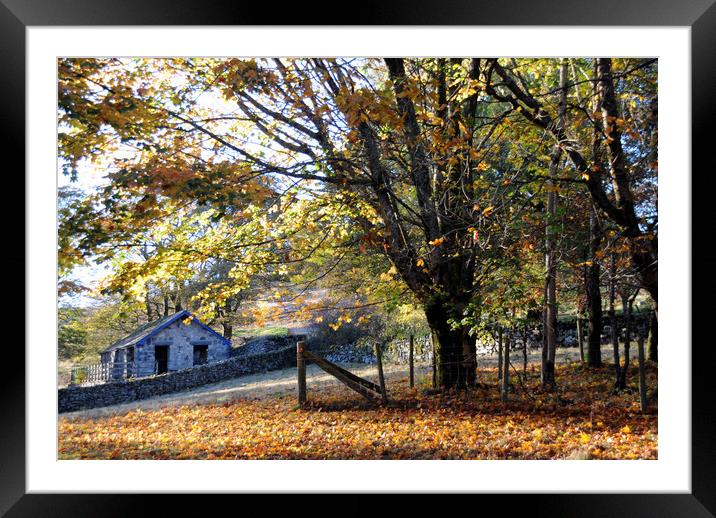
[{"x": 456, "y": 350}]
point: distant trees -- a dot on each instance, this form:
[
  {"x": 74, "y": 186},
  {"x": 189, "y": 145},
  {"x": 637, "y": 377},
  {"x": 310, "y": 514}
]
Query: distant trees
[{"x": 71, "y": 336}]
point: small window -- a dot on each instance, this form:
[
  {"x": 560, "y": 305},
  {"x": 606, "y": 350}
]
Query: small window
[{"x": 201, "y": 354}]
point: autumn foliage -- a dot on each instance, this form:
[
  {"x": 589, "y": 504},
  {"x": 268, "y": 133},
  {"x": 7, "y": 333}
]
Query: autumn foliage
[{"x": 586, "y": 420}]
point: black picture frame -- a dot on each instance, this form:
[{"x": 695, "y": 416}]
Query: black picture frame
[{"x": 17, "y": 15}]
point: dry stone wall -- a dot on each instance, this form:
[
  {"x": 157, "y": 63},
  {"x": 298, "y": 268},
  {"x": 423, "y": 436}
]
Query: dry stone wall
[{"x": 80, "y": 398}]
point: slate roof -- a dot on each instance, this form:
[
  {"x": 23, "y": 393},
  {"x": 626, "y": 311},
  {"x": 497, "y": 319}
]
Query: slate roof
[{"x": 150, "y": 328}]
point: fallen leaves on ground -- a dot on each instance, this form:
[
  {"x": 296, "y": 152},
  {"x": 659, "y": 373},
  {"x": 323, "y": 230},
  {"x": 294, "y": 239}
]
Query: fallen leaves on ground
[{"x": 582, "y": 420}]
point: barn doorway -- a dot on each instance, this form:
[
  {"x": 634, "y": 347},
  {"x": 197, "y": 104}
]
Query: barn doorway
[
  {"x": 161, "y": 357},
  {"x": 201, "y": 354}
]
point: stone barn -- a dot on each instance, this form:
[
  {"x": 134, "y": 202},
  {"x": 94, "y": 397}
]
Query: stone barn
[{"x": 171, "y": 343}]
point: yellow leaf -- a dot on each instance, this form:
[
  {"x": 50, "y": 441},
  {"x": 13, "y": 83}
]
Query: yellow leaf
[
  {"x": 626, "y": 429},
  {"x": 420, "y": 262},
  {"x": 584, "y": 438}
]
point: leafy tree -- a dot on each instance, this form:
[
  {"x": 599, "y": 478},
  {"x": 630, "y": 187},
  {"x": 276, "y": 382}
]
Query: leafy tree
[
  {"x": 617, "y": 132},
  {"x": 71, "y": 336},
  {"x": 427, "y": 170}
]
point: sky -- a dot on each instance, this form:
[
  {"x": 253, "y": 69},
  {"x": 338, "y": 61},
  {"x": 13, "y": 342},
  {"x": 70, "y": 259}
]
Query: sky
[{"x": 90, "y": 178}]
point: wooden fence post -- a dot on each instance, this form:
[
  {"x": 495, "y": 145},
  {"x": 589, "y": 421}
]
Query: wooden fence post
[
  {"x": 410, "y": 361},
  {"x": 301, "y": 367},
  {"x": 381, "y": 378}
]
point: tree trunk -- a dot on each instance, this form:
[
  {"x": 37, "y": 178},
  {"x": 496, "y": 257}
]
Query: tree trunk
[
  {"x": 643, "y": 258},
  {"x": 643, "y": 401},
  {"x": 499, "y": 354},
  {"x": 580, "y": 338},
  {"x": 627, "y": 305},
  {"x": 613, "y": 321},
  {"x": 148, "y": 307},
  {"x": 594, "y": 296},
  {"x": 433, "y": 341},
  {"x": 549, "y": 345},
  {"x": 550, "y": 296},
  {"x": 381, "y": 377},
  {"x": 456, "y": 363},
  {"x": 228, "y": 330},
  {"x": 524, "y": 353},
  {"x": 506, "y": 371},
  {"x": 653, "y": 337},
  {"x": 177, "y": 303},
  {"x": 410, "y": 361},
  {"x": 301, "y": 371}
]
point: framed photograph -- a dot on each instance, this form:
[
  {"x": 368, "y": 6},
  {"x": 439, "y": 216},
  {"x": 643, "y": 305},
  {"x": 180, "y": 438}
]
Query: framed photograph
[{"x": 489, "y": 87}]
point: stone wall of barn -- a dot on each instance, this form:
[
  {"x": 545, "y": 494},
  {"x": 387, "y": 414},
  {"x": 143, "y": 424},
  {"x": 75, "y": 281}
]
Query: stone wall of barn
[
  {"x": 181, "y": 339},
  {"x": 78, "y": 398}
]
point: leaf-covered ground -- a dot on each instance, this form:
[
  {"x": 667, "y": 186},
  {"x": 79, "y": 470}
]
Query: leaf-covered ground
[{"x": 584, "y": 420}]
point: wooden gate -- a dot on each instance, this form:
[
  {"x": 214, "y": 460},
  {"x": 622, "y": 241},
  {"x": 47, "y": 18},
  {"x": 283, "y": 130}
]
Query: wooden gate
[{"x": 375, "y": 394}]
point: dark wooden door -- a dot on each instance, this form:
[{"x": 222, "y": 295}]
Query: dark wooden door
[{"x": 161, "y": 356}]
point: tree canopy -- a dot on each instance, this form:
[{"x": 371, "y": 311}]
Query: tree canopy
[{"x": 421, "y": 179}]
